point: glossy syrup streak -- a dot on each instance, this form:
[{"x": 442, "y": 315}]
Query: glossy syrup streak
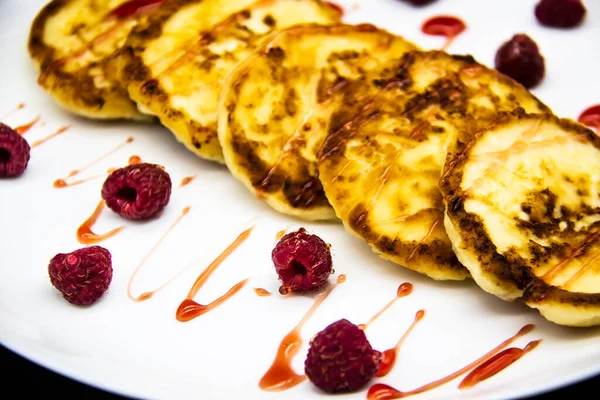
[
  {"x": 389, "y": 356},
  {"x": 147, "y": 295},
  {"x": 591, "y": 117},
  {"x": 262, "y": 292},
  {"x": 280, "y": 376},
  {"x": 64, "y": 182},
  {"x": 444, "y": 25},
  {"x": 381, "y": 391},
  {"x": 133, "y": 7},
  {"x": 23, "y": 129},
  {"x": 404, "y": 290},
  {"x": 56, "y": 133},
  {"x": 11, "y": 112},
  {"x": 85, "y": 235},
  {"x": 189, "y": 309}
]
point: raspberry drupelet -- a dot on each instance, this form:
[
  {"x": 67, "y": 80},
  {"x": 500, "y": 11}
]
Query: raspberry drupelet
[
  {"x": 520, "y": 59},
  {"x": 138, "y": 191},
  {"x": 341, "y": 359},
  {"x": 14, "y": 152},
  {"x": 302, "y": 261},
  {"x": 83, "y": 275}
]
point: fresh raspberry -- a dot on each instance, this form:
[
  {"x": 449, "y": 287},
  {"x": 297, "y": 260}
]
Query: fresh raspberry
[
  {"x": 520, "y": 59},
  {"x": 341, "y": 359},
  {"x": 302, "y": 261},
  {"x": 14, "y": 152},
  {"x": 560, "y": 13},
  {"x": 138, "y": 191},
  {"x": 83, "y": 275}
]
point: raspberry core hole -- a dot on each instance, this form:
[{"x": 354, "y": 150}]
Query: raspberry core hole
[
  {"x": 128, "y": 194},
  {"x": 298, "y": 267},
  {"x": 5, "y": 155}
]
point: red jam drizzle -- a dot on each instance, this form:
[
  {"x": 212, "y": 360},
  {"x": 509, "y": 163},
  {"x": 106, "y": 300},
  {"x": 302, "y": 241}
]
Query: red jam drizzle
[
  {"x": 496, "y": 364},
  {"x": 280, "y": 376},
  {"x": 23, "y": 129},
  {"x": 389, "y": 356},
  {"x": 189, "y": 309},
  {"x": 147, "y": 295},
  {"x": 380, "y": 391},
  {"x": 9, "y": 113},
  {"x": 591, "y": 117},
  {"x": 186, "y": 181},
  {"x": 58, "y": 132},
  {"x": 134, "y": 160},
  {"x": 444, "y": 25},
  {"x": 336, "y": 7},
  {"x": 132, "y": 7},
  {"x": 85, "y": 235},
  {"x": 558, "y": 268},
  {"x": 262, "y": 292},
  {"x": 404, "y": 290},
  {"x": 62, "y": 182}
]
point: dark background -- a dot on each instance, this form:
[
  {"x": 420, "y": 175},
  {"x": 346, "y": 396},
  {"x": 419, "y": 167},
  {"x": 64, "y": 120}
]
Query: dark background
[{"x": 16, "y": 370}]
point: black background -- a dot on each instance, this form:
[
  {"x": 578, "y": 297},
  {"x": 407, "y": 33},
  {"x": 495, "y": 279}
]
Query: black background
[{"x": 18, "y": 375}]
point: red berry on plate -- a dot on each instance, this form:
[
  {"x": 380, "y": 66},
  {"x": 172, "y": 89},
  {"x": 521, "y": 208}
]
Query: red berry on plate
[
  {"x": 14, "y": 152},
  {"x": 560, "y": 13},
  {"x": 138, "y": 191},
  {"x": 520, "y": 59},
  {"x": 83, "y": 275},
  {"x": 302, "y": 261},
  {"x": 341, "y": 359}
]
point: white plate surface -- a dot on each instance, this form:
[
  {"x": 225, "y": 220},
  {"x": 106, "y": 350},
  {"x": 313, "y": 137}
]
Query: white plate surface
[{"x": 140, "y": 349}]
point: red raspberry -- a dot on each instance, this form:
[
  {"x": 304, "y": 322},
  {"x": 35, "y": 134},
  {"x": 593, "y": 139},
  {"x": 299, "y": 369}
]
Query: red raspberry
[
  {"x": 520, "y": 59},
  {"x": 560, "y": 13},
  {"x": 138, "y": 191},
  {"x": 341, "y": 359},
  {"x": 302, "y": 261},
  {"x": 14, "y": 152},
  {"x": 83, "y": 275}
]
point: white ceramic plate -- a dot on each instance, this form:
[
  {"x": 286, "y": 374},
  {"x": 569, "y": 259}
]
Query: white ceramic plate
[{"x": 140, "y": 349}]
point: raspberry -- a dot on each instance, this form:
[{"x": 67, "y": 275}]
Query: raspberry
[
  {"x": 520, "y": 59},
  {"x": 560, "y": 13},
  {"x": 302, "y": 261},
  {"x": 419, "y": 3},
  {"x": 341, "y": 359},
  {"x": 83, "y": 275},
  {"x": 138, "y": 191},
  {"x": 14, "y": 152}
]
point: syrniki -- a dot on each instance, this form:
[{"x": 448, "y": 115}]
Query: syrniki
[
  {"x": 175, "y": 63},
  {"x": 276, "y": 106},
  {"x": 75, "y": 44},
  {"x": 523, "y": 214},
  {"x": 382, "y": 160}
]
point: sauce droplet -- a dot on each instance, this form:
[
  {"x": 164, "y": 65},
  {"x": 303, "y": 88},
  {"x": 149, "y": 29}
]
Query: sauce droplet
[
  {"x": 23, "y": 129},
  {"x": 496, "y": 364},
  {"x": 403, "y": 290},
  {"x": 147, "y": 295},
  {"x": 444, "y": 25},
  {"x": 59, "y": 131},
  {"x": 134, "y": 160},
  {"x": 189, "y": 309},
  {"x": 262, "y": 292},
  {"x": 186, "y": 181},
  {"x": 380, "y": 391},
  {"x": 389, "y": 356},
  {"x": 591, "y": 117},
  {"x": 132, "y": 7},
  {"x": 9, "y": 113},
  {"x": 280, "y": 234},
  {"x": 280, "y": 376},
  {"x": 85, "y": 235}
]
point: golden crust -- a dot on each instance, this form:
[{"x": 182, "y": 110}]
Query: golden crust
[
  {"x": 275, "y": 107},
  {"x": 75, "y": 44},
  {"x": 547, "y": 252},
  {"x": 381, "y": 162}
]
